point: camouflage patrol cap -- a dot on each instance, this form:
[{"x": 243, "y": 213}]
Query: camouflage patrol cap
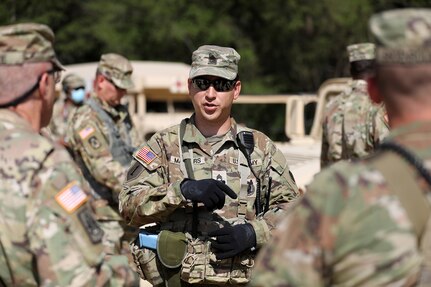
[
  {"x": 72, "y": 81},
  {"x": 117, "y": 69},
  {"x": 27, "y": 43},
  {"x": 403, "y": 36},
  {"x": 215, "y": 61},
  {"x": 361, "y": 52}
]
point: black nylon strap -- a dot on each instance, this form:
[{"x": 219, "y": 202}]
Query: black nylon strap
[
  {"x": 394, "y": 163},
  {"x": 190, "y": 174},
  {"x": 408, "y": 156}
]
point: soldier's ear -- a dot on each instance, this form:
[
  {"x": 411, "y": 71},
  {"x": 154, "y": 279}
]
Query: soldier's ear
[
  {"x": 97, "y": 81},
  {"x": 43, "y": 85},
  {"x": 236, "y": 90},
  {"x": 373, "y": 90},
  {"x": 189, "y": 84}
]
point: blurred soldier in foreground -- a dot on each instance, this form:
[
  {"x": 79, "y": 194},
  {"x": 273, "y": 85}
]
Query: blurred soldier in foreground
[
  {"x": 352, "y": 125},
  {"x": 74, "y": 95},
  {"x": 213, "y": 188},
  {"x": 48, "y": 233},
  {"x": 102, "y": 137},
  {"x": 368, "y": 223}
]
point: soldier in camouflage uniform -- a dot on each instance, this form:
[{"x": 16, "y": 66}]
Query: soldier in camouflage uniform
[
  {"x": 368, "y": 223},
  {"x": 101, "y": 133},
  {"x": 74, "y": 95},
  {"x": 352, "y": 125},
  {"x": 198, "y": 163},
  {"x": 102, "y": 138},
  {"x": 48, "y": 232}
]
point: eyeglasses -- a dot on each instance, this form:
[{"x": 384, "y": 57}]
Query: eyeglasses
[
  {"x": 56, "y": 74},
  {"x": 219, "y": 84}
]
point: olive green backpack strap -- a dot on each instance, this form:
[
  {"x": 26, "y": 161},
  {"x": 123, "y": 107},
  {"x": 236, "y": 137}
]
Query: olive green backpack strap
[
  {"x": 395, "y": 163},
  {"x": 401, "y": 180}
]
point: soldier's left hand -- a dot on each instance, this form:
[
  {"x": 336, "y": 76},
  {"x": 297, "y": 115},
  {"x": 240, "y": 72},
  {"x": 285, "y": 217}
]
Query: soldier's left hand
[{"x": 232, "y": 240}]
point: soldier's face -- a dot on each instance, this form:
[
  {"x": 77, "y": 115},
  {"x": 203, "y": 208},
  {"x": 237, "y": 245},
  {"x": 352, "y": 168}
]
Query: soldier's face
[
  {"x": 210, "y": 105},
  {"x": 108, "y": 92}
]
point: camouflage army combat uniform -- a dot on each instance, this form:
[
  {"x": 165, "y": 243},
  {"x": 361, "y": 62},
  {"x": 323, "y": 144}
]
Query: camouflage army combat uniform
[
  {"x": 357, "y": 225},
  {"x": 151, "y": 194},
  {"x": 352, "y": 231},
  {"x": 353, "y": 126},
  {"x": 41, "y": 230},
  {"x": 90, "y": 137},
  {"x": 63, "y": 109},
  {"x": 48, "y": 232}
]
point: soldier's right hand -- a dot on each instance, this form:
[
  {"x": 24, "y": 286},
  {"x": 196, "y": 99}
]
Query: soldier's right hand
[{"x": 210, "y": 192}]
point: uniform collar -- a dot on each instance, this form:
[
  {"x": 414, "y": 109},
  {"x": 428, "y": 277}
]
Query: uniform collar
[
  {"x": 359, "y": 85},
  {"x": 418, "y": 129},
  {"x": 118, "y": 113},
  {"x": 193, "y": 135},
  {"x": 11, "y": 118}
]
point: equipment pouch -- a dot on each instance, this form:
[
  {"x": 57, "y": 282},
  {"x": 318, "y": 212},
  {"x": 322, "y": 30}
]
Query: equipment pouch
[
  {"x": 146, "y": 264},
  {"x": 171, "y": 248},
  {"x": 200, "y": 266}
]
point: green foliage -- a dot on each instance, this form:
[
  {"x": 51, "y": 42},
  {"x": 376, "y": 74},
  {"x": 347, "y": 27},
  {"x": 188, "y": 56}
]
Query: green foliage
[{"x": 286, "y": 46}]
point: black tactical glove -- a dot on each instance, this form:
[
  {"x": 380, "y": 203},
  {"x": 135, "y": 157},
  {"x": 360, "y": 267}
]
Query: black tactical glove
[
  {"x": 210, "y": 192},
  {"x": 232, "y": 240}
]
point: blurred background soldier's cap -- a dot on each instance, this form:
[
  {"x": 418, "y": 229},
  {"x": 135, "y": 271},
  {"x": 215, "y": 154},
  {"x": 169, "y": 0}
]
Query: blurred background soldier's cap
[
  {"x": 27, "y": 43},
  {"x": 117, "y": 69},
  {"x": 403, "y": 36},
  {"x": 215, "y": 61},
  {"x": 361, "y": 51},
  {"x": 72, "y": 81}
]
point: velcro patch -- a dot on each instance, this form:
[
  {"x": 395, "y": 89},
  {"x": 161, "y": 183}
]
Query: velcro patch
[
  {"x": 94, "y": 232},
  {"x": 94, "y": 142},
  {"x": 174, "y": 159},
  {"x": 71, "y": 197},
  {"x": 85, "y": 133},
  {"x": 146, "y": 155}
]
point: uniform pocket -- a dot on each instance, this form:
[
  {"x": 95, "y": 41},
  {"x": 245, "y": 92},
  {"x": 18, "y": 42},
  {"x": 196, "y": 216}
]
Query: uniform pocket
[{"x": 146, "y": 264}]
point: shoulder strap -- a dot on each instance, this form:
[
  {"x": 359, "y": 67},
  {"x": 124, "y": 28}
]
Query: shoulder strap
[
  {"x": 120, "y": 150},
  {"x": 184, "y": 151},
  {"x": 190, "y": 174},
  {"x": 395, "y": 166}
]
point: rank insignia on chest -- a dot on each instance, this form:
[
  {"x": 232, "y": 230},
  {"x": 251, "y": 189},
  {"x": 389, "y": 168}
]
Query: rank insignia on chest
[
  {"x": 146, "y": 155},
  {"x": 71, "y": 197},
  {"x": 85, "y": 133}
]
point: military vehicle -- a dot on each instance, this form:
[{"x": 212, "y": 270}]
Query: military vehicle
[{"x": 160, "y": 99}]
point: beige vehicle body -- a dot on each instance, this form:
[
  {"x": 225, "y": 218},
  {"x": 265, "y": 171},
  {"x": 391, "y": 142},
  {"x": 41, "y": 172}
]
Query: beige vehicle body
[{"x": 164, "y": 85}]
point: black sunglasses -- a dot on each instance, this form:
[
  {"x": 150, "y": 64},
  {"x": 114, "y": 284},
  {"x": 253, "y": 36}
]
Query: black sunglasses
[{"x": 220, "y": 84}]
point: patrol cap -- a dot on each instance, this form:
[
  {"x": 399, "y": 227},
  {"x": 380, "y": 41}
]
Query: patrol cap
[
  {"x": 215, "y": 61},
  {"x": 27, "y": 43},
  {"x": 361, "y": 52},
  {"x": 72, "y": 81},
  {"x": 403, "y": 36},
  {"x": 117, "y": 69}
]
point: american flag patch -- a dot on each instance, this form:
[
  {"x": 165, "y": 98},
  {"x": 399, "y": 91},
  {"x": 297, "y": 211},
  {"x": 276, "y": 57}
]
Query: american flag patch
[
  {"x": 86, "y": 132},
  {"x": 146, "y": 155},
  {"x": 71, "y": 197}
]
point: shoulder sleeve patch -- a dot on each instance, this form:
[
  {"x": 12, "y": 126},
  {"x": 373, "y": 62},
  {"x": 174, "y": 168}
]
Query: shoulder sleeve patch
[
  {"x": 146, "y": 155},
  {"x": 71, "y": 197},
  {"x": 86, "y": 132},
  {"x": 279, "y": 161}
]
